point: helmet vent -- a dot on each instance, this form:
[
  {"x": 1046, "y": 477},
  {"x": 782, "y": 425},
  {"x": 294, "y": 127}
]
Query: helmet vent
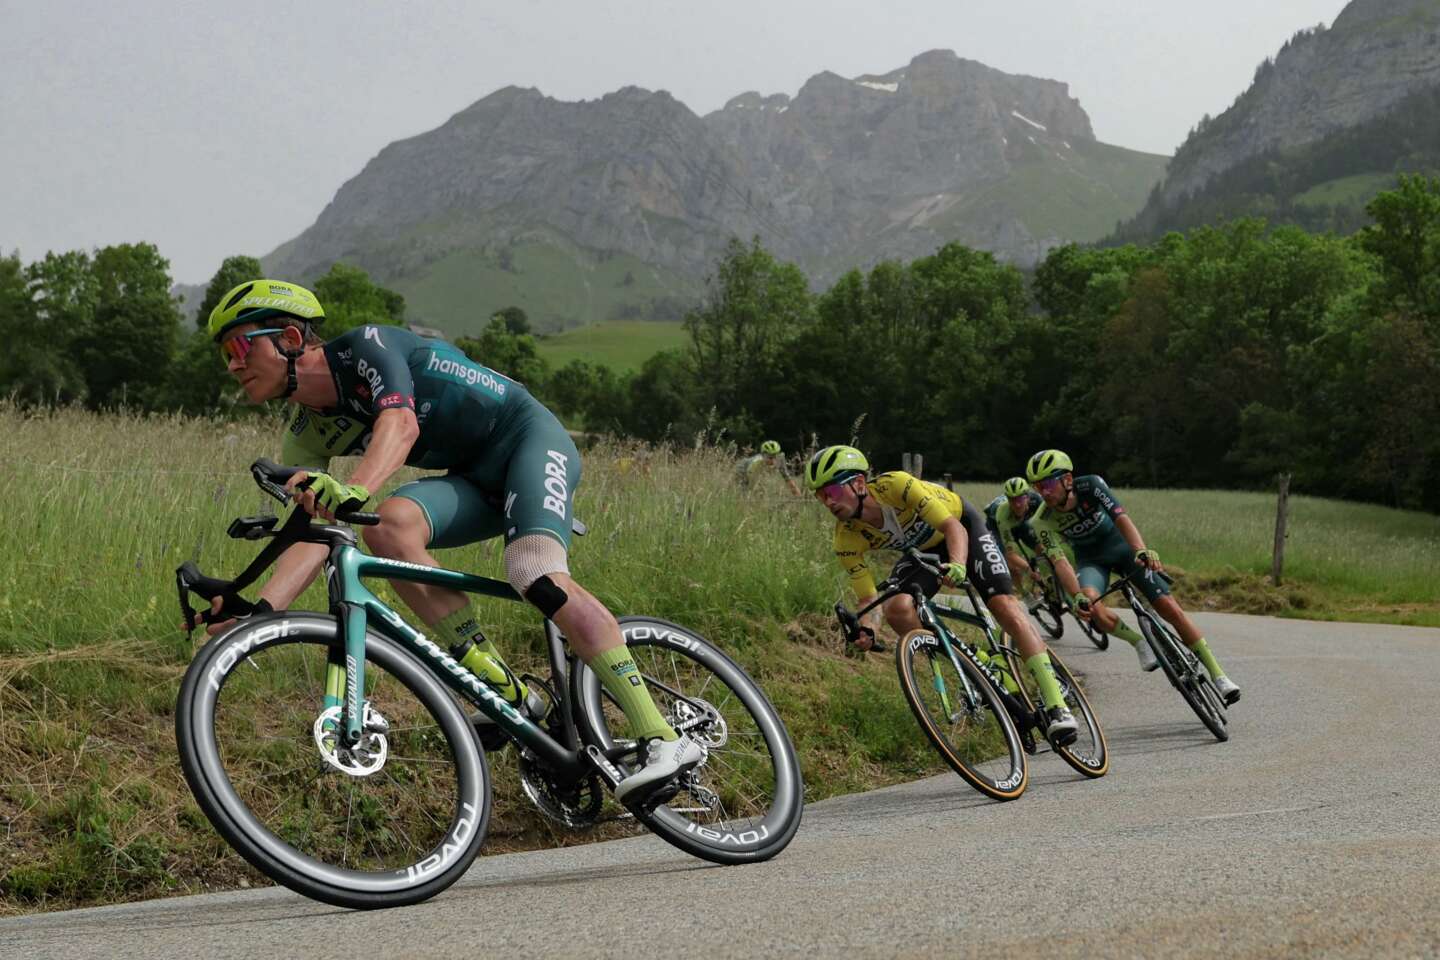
[{"x": 239, "y": 295}]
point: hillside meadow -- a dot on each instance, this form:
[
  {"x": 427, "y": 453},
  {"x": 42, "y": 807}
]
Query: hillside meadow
[{"x": 97, "y": 510}]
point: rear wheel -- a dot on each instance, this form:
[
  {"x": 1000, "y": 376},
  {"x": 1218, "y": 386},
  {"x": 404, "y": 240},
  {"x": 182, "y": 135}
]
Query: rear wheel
[
  {"x": 742, "y": 804},
  {"x": 1092, "y": 632},
  {"x": 963, "y": 715},
  {"x": 1088, "y": 753}
]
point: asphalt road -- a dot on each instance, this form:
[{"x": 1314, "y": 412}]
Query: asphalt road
[{"x": 1314, "y": 832}]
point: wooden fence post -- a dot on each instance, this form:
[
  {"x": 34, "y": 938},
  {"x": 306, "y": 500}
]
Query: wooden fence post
[
  {"x": 948, "y": 484},
  {"x": 905, "y": 462},
  {"x": 918, "y": 461},
  {"x": 1277, "y": 562}
]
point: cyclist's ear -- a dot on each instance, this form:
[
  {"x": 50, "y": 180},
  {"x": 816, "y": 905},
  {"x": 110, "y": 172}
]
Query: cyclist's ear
[{"x": 292, "y": 338}]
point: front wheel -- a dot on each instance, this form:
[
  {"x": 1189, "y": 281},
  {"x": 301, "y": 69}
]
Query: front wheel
[
  {"x": 1187, "y": 674},
  {"x": 962, "y": 714},
  {"x": 743, "y": 803},
  {"x": 391, "y": 821},
  {"x": 1088, "y": 754}
]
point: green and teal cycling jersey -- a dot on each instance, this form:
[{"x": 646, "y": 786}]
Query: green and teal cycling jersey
[
  {"x": 512, "y": 468},
  {"x": 1099, "y": 547},
  {"x": 1013, "y": 534}
]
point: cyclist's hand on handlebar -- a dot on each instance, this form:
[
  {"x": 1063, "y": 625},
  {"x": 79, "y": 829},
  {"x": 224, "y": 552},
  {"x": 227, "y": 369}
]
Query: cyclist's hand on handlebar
[
  {"x": 1082, "y": 605},
  {"x": 1150, "y": 560},
  {"x": 954, "y": 574},
  {"x": 321, "y": 495}
]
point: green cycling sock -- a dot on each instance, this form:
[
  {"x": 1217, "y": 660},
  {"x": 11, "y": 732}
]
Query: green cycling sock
[
  {"x": 1044, "y": 674},
  {"x": 1125, "y": 633},
  {"x": 1212, "y": 666},
  {"x": 482, "y": 659},
  {"x": 621, "y": 679}
]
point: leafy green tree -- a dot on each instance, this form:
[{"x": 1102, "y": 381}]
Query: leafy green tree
[
  {"x": 129, "y": 343},
  {"x": 1406, "y": 239},
  {"x": 64, "y": 291},
  {"x": 516, "y": 320},
  {"x": 514, "y": 355},
  {"x": 233, "y": 271}
]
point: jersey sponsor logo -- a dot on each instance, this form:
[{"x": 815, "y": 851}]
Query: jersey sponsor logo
[
  {"x": 463, "y": 371},
  {"x": 373, "y": 333},
  {"x": 556, "y": 483},
  {"x": 370, "y": 375},
  {"x": 993, "y": 555},
  {"x": 394, "y": 400},
  {"x": 297, "y": 426}
]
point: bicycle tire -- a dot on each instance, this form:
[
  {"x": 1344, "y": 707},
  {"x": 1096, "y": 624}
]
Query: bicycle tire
[
  {"x": 1089, "y": 754},
  {"x": 250, "y": 754},
  {"x": 1185, "y": 673},
  {"x": 959, "y": 739},
  {"x": 1048, "y": 615},
  {"x": 739, "y": 822}
]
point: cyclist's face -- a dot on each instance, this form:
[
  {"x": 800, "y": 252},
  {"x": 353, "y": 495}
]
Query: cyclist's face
[
  {"x": 1054, "y": 490},
  {"x": 1019, "y": 506},
  {"x": 841, "y": 499},
  {"x": 261, "y": 371}
]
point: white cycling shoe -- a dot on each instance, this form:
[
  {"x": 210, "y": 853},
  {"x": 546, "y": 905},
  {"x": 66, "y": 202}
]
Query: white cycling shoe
[
  {"x": 664, "y": 760},
  {"x": 1146, "y": 655},
  {"x": 1229, "y": 691}
]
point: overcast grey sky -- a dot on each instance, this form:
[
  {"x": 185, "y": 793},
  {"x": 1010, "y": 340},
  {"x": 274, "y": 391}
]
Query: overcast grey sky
[{"x": 211, "y": 128}]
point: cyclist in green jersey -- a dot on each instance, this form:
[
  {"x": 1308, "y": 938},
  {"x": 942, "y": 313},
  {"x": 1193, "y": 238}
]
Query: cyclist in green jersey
[
  {"x": 747, "y": 471},
  {"x": 1083, "y": 511},
  {"x": 395, "y": 398},
  {"x": 1008, "y": 517}
]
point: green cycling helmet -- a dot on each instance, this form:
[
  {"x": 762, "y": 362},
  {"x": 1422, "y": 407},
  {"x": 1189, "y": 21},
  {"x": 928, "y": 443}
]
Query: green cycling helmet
[
  {"x": 770, "y": 448},
  {"x": 834, "y": 464},
  {"x": 257, "y": 301},
  {"x": 1016, "y": 487},
  {"x": 1046, "y": 464}
]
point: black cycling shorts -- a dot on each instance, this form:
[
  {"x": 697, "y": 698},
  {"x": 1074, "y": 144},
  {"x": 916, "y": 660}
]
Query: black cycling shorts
[{"x": 986, "y": 562}]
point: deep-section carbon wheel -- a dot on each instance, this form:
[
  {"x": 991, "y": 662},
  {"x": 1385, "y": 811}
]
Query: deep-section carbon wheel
[
  {"x": 1048, "y": 614},
  {"x": 394, "y": 820},
  {"x": 965, "y": 719},
  {"x": 1089, "y": 753},
  {"x": 1099, "y": 637},
  {"x": 1187, "y": 674},
  {"x": 742, "y": 804}
]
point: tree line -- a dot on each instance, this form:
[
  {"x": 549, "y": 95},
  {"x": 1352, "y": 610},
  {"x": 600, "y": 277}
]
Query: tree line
[{"x": 1214, "y": 358}]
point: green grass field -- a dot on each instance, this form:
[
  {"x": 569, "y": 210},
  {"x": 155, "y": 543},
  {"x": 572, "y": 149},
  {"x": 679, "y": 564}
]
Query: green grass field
[
  {"x": 97, "y": 511},
  {"x": 1353, "y": 191},
  {"x": 619, "y": 344}
]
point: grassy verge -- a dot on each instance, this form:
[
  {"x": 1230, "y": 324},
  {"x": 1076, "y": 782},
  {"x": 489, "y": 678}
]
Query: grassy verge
[{"x": 97, "y": 511}]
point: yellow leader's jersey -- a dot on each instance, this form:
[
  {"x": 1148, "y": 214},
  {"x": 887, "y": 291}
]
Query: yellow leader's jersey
[{"x": 913, "y": 511}]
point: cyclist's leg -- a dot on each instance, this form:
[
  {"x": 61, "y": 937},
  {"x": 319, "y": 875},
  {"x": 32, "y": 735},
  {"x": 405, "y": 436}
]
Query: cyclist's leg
[
  {"x": 447, "y": 511},
  {"x": 541, "y": 477},
  {"x": 991, "y": 577},
  {"x": 1168, "y": 607}
]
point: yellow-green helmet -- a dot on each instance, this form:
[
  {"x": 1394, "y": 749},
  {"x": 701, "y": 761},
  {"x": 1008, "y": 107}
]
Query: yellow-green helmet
[
  {"x": 1047, "y": 463},
  {"x": 770, "y": 448},
  {"x": 834, "y": 464},
  {"x": 256, "y": 301},
  {"x": 1016, "y": 487}
]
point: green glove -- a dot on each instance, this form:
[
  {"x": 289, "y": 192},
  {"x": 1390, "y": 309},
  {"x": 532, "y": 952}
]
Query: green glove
[
  {"x": 332, "y": 495},
  {"x": 1081, "y": 603},
  {"x": 1147, "y": 558},
  {"x": 955, "y": 572}
]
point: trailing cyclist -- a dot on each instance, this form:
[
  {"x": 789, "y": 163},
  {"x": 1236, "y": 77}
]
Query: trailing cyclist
[
  {"x": 896, "y": 511},
  {"x": 395, "y": 398},
  {"x": 1008, "y": 517},
  {"x": 748, "y": 470},
  {"x": 1085, "y": 513}
]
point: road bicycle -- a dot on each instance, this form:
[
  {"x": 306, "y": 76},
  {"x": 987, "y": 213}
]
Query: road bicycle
[
  {"x": 979, "y": 706},
  {"x": 1182, "y": 668},
  {"x": 334, "y": 753}
]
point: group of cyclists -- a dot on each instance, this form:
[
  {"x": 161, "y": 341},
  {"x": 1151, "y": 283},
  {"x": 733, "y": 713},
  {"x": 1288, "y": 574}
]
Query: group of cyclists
[{"x": 394, "y": 398}]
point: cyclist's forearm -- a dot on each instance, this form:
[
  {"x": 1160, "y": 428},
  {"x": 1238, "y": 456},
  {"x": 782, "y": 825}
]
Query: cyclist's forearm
[
  {"x": 395, "y": 433},
  {"x": 1066, "y": 573},
  {"x": 1130, "y": 532},
  {"x": 956, "y": 541},
  {"x": 294, "y": 570}
]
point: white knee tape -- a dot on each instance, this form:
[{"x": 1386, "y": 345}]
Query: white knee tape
[{"x": 531, "y": 557}]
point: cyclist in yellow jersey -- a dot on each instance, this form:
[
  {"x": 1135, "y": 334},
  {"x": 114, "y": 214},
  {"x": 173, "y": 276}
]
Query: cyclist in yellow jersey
[{"x": 896, "y": 511}]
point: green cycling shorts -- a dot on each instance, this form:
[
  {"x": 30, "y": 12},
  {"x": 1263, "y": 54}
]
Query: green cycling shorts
[{"x": 524, "y": 485}]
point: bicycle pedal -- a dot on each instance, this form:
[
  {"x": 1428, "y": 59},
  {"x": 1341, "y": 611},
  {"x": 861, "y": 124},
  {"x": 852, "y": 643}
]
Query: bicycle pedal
[{"x": 1027, "y": 741}]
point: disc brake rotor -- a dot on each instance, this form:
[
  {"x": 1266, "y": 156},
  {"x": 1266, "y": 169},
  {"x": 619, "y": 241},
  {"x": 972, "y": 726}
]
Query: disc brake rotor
[{"x": 367, "y": 756}]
